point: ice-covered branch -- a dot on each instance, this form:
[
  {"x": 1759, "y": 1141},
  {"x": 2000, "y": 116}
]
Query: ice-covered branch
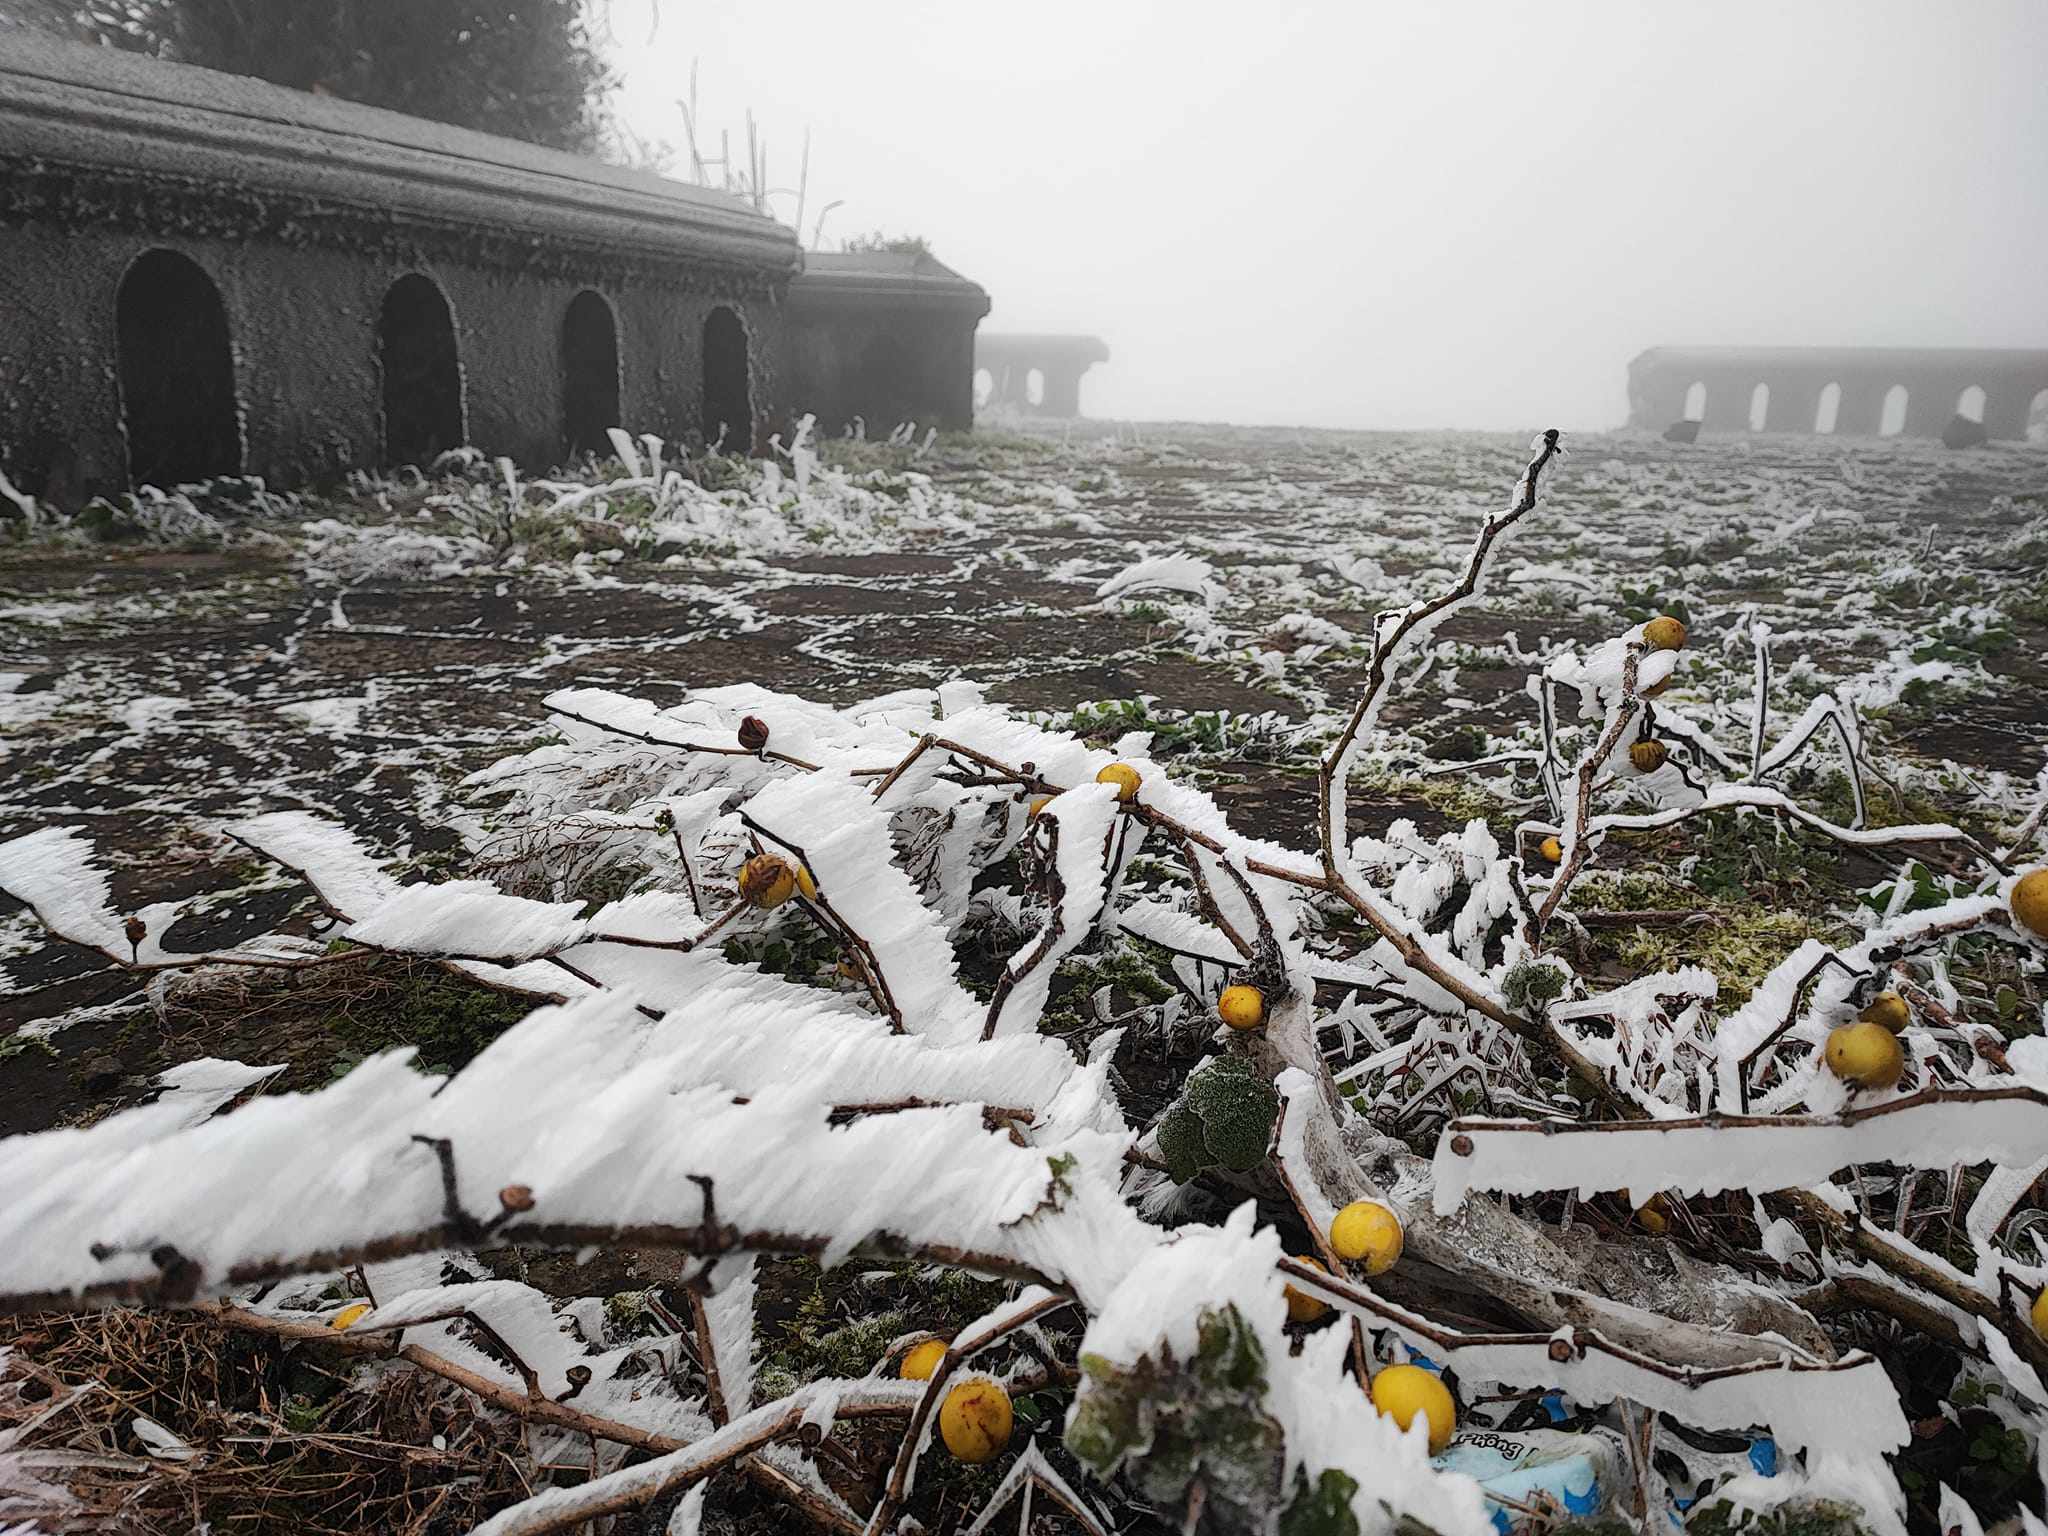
[{"x": 1706, "y": 1154}]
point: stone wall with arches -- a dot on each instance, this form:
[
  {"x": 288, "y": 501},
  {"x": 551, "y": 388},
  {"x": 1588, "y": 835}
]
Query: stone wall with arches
[
  {"x": 1866, "y": 391},
  {"x": 320, "y": 286}
]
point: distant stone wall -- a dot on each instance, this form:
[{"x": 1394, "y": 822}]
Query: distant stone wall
[
  {"x": 204, "y": 275},
  {"x": 1018, "y": 366},
  {"x": 1911, "y": 392},
  {"x": 307, "y": 369},
  {"x": 882, "y": 338}
]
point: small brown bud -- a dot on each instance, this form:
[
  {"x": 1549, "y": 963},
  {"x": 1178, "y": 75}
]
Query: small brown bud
[
  {"x": 753, "y": 733},
  {"x": 1461, "y": 1144},
  {"x": 137, "y": 930},
  {"x": 516, "y": 1197}
]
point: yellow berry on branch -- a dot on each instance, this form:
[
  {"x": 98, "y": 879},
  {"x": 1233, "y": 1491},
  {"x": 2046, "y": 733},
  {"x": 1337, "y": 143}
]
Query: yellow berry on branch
[
  {"x": 1242, "y": 1007},
  {"x": 1648, "y": 756},
  {"x": 1664, "y": 633},
  {"x": 1368, "y": 1234},
  {"x": 1552, "y": 850},
  {"x": 975, "y": 1420},
  {"x": 1124, "y": 777},
  {"x": 1889, "y": 1010},
  {"x": 920, "y": 1360},
  {"x": 1302, "y": 1307},
  {"x": 1864, "y": 1055},
  {"x": 1405, "y": 1392},
  {"x": 767, "y": 880},
  {"x": 349, "y": 1315},
  {"x": 2030, "y": 902},
  {"x": 1653, "y": 1213}
]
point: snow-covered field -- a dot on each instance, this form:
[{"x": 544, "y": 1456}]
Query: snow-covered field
[{"x": 1199, "y": 600}]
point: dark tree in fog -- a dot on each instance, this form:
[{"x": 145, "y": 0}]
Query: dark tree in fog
[{"x": 529, "y": 70}]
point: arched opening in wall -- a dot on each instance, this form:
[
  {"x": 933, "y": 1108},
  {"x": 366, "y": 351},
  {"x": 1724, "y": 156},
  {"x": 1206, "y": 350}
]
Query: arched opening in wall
[
  {"x": 1696, "y": 400},
  {"x": 1034, "y": 387},
  {"x": 984, "y": 387},
  {"x": 1892, "y": 421},
  {"x": 422, "y": 372},
  {"x": 1970, "y": 404},
  {"x": 1829, "y": 411},
  {"x": 2037, "y": 418},
  {"x": 590, "y": 374},
  {"x": 1759, "y": 407},
  {"x": 728, "y": 406},
  {"x": 177, "y": 372}
]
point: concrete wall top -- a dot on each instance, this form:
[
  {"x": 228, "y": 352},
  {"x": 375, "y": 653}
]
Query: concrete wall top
[
  {"x": 885, "y": 279},
  {"x": 1031, "y": 349},
  {"x": 1992, "y": 362},
  {"x": 76, "y": 120}
]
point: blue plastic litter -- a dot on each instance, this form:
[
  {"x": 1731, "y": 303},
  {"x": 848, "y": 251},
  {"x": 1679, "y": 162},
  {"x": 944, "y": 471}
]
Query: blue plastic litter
[{"x": 1541, "y": 1469}]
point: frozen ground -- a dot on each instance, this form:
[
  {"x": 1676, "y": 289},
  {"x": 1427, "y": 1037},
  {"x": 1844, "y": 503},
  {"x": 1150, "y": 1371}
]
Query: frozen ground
[{"x": 356, "y": 655}]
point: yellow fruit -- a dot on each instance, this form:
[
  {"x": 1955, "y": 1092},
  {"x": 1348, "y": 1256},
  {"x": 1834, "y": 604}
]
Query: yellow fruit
[
  {"x": 1551, "y": 849},
  {"x": 1648, "y": 756},
  {"x": 2039, "y": 1314},
  {"x": 974, "y": 1420},
  {"x": 349, "y": 1315},
  {"x": 805, "y": 885},
  {"x": 1242, "y": 1007},
  {"x": 1865, "y": 1055},
  {"x": 920, "y": 1360},
  {"x": 1888, "y": 1009},
  {"x": 1039, "y": 803},
  {"x": 1302, "y": 1307},
  {"x": 1400, "y": 1392},
  {"x": 1652, "y": 1213},
  {"x": 1664, "y": 633},
  {"x": 1123, "y": 776},
  {"x": 1366, "y": 1232},
  {"x": 767, "y": 880},
  {"x": 2030, "y": 901}
]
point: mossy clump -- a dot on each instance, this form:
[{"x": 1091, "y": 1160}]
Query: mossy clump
[
  {"x": 1741, "y": 948},
  {"x": 1224, "y": 1119},
  {"x": 1323, "y": 1509},
  {"x": 1815, "y": 1517},
  {"x": 1531, "y": 987},
  {"x": 448, "y": 1020},
  {"x": 1166, "y": 1422}
]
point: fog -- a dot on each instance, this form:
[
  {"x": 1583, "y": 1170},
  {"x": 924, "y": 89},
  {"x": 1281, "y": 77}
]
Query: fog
[{"x": 1423, "y": 215}]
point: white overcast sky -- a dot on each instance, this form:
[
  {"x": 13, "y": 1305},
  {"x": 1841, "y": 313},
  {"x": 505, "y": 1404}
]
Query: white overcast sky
[{"x": 1416, "y": 215}]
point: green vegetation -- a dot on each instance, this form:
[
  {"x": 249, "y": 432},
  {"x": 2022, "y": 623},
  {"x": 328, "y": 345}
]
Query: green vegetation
[
  {"x": 1223, "y": 1119},
  {"x": 1166, "y": 1421}
]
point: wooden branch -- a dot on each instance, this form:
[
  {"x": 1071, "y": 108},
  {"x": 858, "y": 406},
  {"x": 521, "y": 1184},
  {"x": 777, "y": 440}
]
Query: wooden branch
[
  {"x": 1618, "y": 722},
  {"x": 529, "y": 1406},
  {"x": 562, "y": 1509},
  {"x": 1387, "y": 647},
  {"x": 180, "y": 1280}
]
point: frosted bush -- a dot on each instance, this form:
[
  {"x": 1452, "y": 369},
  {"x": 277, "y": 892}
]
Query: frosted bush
[{"x": 670, "y": 1092}]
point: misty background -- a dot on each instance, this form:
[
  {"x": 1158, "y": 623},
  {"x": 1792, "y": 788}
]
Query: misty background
[{"x": 1424, "y": 215}]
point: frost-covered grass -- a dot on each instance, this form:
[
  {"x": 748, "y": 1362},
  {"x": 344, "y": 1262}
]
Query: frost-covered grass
[{"x": 978, "y": 1048}]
